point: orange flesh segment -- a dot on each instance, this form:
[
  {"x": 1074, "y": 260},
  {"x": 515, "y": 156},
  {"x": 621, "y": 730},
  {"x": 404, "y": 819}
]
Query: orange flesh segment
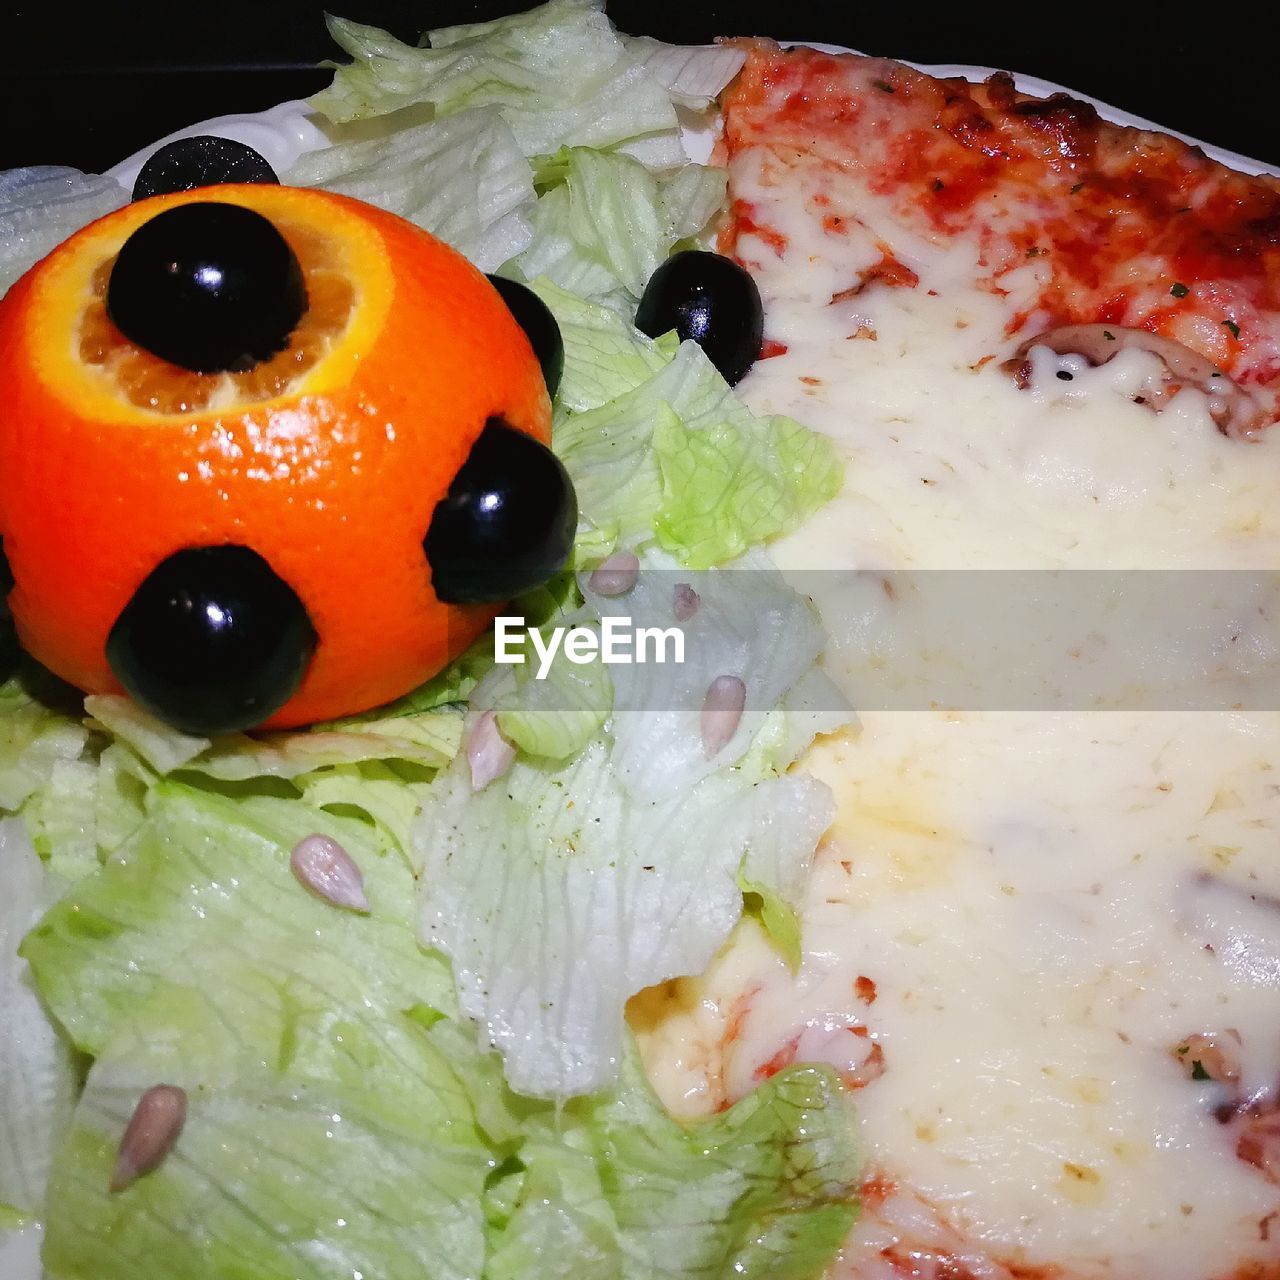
[{"x": 147, "y": 381}]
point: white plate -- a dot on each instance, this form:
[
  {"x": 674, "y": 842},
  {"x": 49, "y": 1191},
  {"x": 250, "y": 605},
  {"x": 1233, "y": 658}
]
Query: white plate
[
  {"x": 285, "y": 132},
  {"x": 291, "y": 129}
]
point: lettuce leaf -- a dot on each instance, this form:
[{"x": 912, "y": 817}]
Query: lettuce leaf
[
  {"x": 605, "y": 222},
  {"x": 37, "y": 1075},
  {"x": 679, "y": 460},
  {"x": 325, "y": 1131},
  {"x": 464, "y": 179},
  {"x": 729, "y": 1196},
  {"x": 732, "y": 486},
  {"x": 605, "y": 355},
  {"x": 777, "y": 917},
  {"x": 83, "y": 788},
  {"x": 428, "y": 739},
  {"x": 40, "y": 207},
  {"x": 749, "y": 623},
  {"x": 159, "y": 746},
  {"x": 690, "y": 198},
  {"x": 556, "y": 257},
  {"x": 341, "y": 1118},
  {"x": 313, "y": 1171},
  {"x": 35, "y": 739},
  {"x": 553, "y": 715},
  {"x": 693, "y": 75},
  {"x": 44, "y": 777},
  {"x": 559, "y": 74},
  {"x": 557, "y": 896}
]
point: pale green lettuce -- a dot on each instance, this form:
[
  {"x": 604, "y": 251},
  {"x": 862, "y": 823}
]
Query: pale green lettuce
[
  {"x": 428, "y": 739},
  {"x": 557, "y": 895},
  {"x": 40, "y": 207},
  {"x": 594, "y": 111},
  {"x": 556, "y": 714},
  {"x": 604, "y": 354},
  {"x": 324, "y": 1127},
  {"x": 776, "y": 916},
  {"x": 82, "y": 785},
  {"x": 749, "y": 623},
  {"x": 680, "y": 461},
  {"x": 37, "y": 1075},
  {"x": 615, "y": 852},
  {"x": 693, "y": 75},
  {"x": 605, "y": 222},
  {"x": 560, "y": 75},
  {"x": 622, "y": 1190},
  {"x": 35, "y": 739},
  {"x": 464, "y": 179},
  {"x": 733, "y": 485},
  {"x": 341, "y": 1119},
  {"x": 346, "y": 1114}
]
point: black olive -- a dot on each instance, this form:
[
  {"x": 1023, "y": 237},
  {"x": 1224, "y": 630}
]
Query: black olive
[
  {"x": 507, "y": 522},
  {"x": 709, "y": 298},
  {"x": 207, "y": 286},
  {"x": 539, "y": 325},
  {"x": 9, "y": 650},
  {"x": 202, "y": 161},
  {"x": 212, "y": 641}
]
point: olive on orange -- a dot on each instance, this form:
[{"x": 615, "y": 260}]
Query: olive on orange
[{"x": 267, "y": 456}]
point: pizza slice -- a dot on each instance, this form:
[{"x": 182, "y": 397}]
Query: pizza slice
[
  {"x": 1027, "y": 937},
  {"x": 1096, "y": 237}
]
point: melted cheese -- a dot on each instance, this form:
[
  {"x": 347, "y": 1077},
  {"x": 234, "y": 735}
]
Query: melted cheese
[{"x": 1046, "y": 903}]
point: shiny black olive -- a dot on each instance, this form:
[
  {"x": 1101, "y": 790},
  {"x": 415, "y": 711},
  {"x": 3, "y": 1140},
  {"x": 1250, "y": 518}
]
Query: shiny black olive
[
  {"x": 202, "y": 161},
  {"x": 539, "y": 325},
  {"x": 9, "y": 650},
  {"x": 212, "y": 641},
  {"x": 709, "y": 298},
  {"x": 507, "y": 522},
  {"x": 207, "y": 286}
]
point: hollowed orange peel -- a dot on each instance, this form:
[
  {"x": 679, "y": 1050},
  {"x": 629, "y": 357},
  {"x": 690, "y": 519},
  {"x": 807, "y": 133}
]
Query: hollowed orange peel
[{"x": 328, "y": 460}]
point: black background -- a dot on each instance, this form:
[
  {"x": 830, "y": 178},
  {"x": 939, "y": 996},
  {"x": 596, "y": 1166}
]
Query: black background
[{"x": 88, "y": 86}]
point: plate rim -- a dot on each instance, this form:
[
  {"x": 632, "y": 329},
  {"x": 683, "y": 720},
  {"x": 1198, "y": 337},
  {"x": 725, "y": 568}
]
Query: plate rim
[{"x": 291, "y": 129}]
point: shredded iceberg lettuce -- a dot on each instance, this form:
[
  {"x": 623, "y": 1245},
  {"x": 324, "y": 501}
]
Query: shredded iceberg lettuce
[
  {"x": 37, "y": 1076},
  {"x": 40, "y": 207},
  {"x": 483, "y": 207},
  {"x": 560, "y": 75},
  {"x": 341, "y": 1119},
  {"x": 692, "y": 74},
  {"x": 604, "y": 354},
  {"x": 615, "y": 852},
  {"x": 680, "y": 444},
  {"x": 558, "y": 894},
  {"x": 346, "y": 1114},
  {"x": 615, "y": 189},
  {"x": 605, "y": 222},
  {"x": 749, "y": 624}
]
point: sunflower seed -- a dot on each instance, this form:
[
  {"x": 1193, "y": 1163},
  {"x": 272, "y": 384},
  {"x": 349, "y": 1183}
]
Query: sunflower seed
[
  {"x": 489, "y": 754},
  {"x": 616, "y": 576},
  {"x": 325, "y": 867},
  {"x": 684, "y": 602},
  {"x": 149, "y": 1136},
  {"x": 722, "y": 712}
]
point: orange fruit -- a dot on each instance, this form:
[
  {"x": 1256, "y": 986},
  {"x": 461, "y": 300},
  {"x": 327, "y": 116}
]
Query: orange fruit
[{"x": 328, "y": 459}]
